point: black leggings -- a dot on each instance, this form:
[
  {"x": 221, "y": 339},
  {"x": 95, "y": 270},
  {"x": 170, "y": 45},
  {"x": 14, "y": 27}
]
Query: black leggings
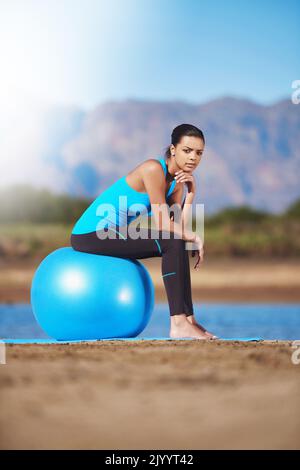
[{"x": 175, "y": 267}]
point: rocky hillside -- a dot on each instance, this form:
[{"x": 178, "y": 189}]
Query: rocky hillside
[{"x": 252, "y": 151}]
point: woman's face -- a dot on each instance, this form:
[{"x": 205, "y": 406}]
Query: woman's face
[{"x": 188, "y": 153}]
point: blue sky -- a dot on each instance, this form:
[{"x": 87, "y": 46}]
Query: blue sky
[{"x": 84, "y": 52}]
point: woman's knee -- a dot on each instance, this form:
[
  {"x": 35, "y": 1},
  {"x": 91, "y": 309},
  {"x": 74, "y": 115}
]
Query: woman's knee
[
  {"x": 72, "y": 241},
  {"x": 75, "y": 243},
  {"x": 173, "y": 244}
]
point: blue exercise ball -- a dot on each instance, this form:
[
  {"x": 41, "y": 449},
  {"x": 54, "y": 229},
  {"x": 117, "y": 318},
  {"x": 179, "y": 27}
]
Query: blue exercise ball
[{"x": 76, "y": 295}]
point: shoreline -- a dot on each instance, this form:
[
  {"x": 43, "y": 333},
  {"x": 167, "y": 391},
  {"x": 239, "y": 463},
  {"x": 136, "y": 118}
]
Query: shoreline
[
  {"x": 218, "y": 280},
  {"x": 245, "y": 295}
]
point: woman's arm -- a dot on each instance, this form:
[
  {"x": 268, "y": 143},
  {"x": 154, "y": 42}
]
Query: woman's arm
[
  {"x": 188, "y": 179},
  {"x": 154, "y": 182},
  {"x": 176, "y": 198},
  {"x": 187, "y": 209}
]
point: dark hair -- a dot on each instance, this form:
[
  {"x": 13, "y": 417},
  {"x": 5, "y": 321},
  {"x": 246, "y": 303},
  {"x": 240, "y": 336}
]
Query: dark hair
[{"x": 180, "y": 131}]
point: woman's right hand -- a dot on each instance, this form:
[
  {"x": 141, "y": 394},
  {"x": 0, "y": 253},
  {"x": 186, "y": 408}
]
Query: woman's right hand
[
  {"x": 194, "y": 238},
  {"x": 200, "y": 252}
]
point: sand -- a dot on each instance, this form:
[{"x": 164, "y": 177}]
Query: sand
[{"x": 150, "y": 395}]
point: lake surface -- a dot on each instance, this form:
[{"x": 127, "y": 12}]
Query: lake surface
[{"x": 265, "y": 321}]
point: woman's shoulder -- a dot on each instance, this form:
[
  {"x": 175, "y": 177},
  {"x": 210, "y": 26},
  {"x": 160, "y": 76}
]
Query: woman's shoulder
[
  {"x": 153, "y": 172},
  {"x": 152, "y": 165}
]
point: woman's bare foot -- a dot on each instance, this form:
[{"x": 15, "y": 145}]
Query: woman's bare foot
[
  {"x": 182, "y": 328},
  {"x": 192, "y": 320}
]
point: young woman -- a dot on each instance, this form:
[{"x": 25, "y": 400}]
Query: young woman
[{"x": 156, "y": 184}]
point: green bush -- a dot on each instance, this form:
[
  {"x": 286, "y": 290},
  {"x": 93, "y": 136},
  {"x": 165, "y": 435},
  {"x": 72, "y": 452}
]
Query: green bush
[
  {"x": 36, "y": 222},
  {"x": 22, "y": 203}
]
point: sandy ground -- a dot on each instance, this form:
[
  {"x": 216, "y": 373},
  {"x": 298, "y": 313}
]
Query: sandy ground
[
  {"x": 218, "y": 280},
  {"x": 150, "y": 395}
]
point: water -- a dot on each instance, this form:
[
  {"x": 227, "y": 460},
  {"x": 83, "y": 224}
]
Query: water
[{"x": 266, "y": 321}]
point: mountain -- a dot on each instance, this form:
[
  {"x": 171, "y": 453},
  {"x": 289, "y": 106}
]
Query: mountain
[{"x": 251, "y": 156}]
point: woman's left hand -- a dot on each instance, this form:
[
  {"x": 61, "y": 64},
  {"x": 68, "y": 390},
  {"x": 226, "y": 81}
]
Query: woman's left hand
[{"x": 183, "y": 177}]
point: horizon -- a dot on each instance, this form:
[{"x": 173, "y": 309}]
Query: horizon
[{"x": 182, "y": 101}]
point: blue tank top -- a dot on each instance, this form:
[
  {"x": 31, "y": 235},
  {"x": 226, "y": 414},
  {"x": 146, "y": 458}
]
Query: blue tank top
[{"x": 118, "y": 205}]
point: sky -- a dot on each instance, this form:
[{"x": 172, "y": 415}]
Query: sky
[
  {"x": 84, "y": 52},
  {"x": 76, "y": 54}
]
